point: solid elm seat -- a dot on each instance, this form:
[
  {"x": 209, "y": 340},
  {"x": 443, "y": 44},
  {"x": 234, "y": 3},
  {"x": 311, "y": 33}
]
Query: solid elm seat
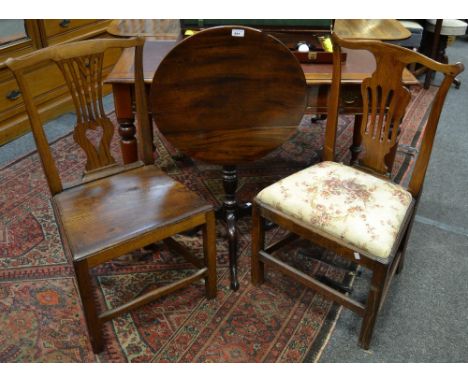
[
  {"x": 89, "y": 212},
  {"x": 346, "y": 204}
]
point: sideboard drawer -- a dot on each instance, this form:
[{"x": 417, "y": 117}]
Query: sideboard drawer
[
  {"x": 47, "y": 88},
  {"x": 48, "y": 83},
  {"x": 82, "y": 30},
  {"x": 10, "y": 95},
  {"x": 350, "y": 99},
  {"x": 56, "y": 26}
]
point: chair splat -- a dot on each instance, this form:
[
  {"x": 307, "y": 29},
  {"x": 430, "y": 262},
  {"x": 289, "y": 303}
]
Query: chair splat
[
  {"x": 385, "y": 100},
  {"x": 84, "y": 80}
]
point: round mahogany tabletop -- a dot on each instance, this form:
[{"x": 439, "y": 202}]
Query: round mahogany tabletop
[{"x": 228, "y": 95}]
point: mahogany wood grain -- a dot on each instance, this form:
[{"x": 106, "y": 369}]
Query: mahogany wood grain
[
  {"x": 384, "y": 100},
  {"x": 115, "y": 209},
  {"x": 241, "y": 105}
]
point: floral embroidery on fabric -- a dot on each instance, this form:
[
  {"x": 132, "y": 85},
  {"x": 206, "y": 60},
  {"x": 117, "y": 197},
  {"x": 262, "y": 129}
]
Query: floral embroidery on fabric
[{"x": 356, "y": 207}]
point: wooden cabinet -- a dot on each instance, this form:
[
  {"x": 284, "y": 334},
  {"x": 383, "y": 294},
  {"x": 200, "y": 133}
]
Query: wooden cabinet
[
  {"x": 59, "y": 27},
  {"x": 23, "y": 36},
  {"x": 350, "y": 99}
]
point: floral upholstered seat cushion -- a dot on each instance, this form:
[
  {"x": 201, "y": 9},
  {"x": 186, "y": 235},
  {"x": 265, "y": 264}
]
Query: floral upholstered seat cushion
[{"x": 347, "y": 204}]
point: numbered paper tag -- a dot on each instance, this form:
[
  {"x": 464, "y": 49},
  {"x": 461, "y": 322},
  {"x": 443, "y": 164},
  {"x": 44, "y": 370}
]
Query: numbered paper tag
[
  {"x": 237, "y": 32},
  {"x": 357, "y": 256}
]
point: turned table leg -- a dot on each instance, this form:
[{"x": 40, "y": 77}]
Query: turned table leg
[
  {"x": 230, "y": 216},
  {"x": 230, "y": 212},
  {"x": 125, "y": 118}
]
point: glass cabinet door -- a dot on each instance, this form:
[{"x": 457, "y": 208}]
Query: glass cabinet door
[
  {"x": 18, "y": 37},
  {"x": 12, "y": 31}
]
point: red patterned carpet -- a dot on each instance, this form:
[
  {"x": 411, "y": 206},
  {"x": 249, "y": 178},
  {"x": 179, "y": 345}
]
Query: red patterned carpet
[{"x": 41, "y": 319}]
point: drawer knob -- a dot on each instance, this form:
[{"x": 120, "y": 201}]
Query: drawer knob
[
  {"x": 349, "y": 101},
  {"x": 65, "y": 23},
  {"x": 13, "y": 95}
]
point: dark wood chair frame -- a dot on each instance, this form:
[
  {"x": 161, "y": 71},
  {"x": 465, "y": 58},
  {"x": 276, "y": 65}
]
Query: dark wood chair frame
[
  {"x": 384, "y": 104},
  {"x": 81, "y": 65}
]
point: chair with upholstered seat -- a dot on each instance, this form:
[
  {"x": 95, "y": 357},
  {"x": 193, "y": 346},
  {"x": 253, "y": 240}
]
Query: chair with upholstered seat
[
  {"x": 114, "y": 209},
  {"x": 357, "y": 212}
]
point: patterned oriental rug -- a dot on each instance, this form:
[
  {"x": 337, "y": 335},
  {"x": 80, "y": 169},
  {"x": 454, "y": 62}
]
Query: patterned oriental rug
[{"x": 41, "y": 319}]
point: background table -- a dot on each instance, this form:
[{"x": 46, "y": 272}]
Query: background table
[
  {"x": 169, "y": 29},
  {"x": 374, "y": 29},
  {"x": 359, "y": 65},
  {"x": 318, "y": 76},
  {"x": 161, "y": 29}
]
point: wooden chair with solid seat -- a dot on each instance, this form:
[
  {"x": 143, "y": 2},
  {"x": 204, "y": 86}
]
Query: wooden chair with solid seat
[
  {"x": 357, "y": 212},
  {"x": 115, "y": 209}
]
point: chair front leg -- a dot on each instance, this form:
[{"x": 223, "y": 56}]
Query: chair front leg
[
  {"x": 404, "y": 242},
  {"x": 209, "y": 249},
  {"x": 402, "y": 250},
  {"x": 93, "y": 322},
  {"x": 258, "y": 244},
  {"x": 374, "y": 299}
]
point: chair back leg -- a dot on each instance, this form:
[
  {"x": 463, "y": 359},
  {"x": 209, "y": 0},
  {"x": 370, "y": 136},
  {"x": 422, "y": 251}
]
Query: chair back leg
[
  {"x": 258, "y": 244},
  {"x": 374, "y": 299},
  {"x": 209, "y": 249}
]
